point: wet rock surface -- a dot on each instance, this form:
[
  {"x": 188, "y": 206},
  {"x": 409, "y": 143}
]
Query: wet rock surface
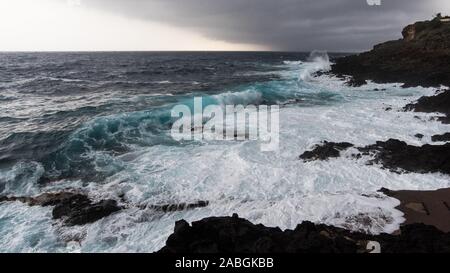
[
  {"x": 394, "y": 154},
  {"x": 236, "y": 235},
  {"x": 325, "y": 151},
  {"x": 72, "y": 208},
  {"x": 78, "y": 209},
  {"x": 421, "y": 58},
  {"x": 438, "y": 103},
  {"x": 443, "y": 137},
  {"x": 179, "y": 207}
]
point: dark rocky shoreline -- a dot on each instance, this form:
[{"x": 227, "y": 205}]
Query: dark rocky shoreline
[
  {"x": 392, "y": 154},
  {"x": 439, "y": 103},
  {"x": 325, "y": 151},
  {"x": 70, "y": 207},
  {"x": 75, "y": 208},
  {"x": 236, "y": 235},
  {"x": 421, "y": 58},
  {"x": 443, "y": 137}
]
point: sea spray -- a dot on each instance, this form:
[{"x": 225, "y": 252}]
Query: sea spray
[{"x": 317, "y": 61}]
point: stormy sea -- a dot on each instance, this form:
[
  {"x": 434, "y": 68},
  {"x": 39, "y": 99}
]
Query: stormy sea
[{"x": 100, "y": 123}]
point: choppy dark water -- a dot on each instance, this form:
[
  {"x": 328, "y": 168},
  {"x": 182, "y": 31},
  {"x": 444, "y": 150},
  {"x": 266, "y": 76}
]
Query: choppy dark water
[
  {"x": 100, "y": 123},
  {"x": 45, "y": 97}
]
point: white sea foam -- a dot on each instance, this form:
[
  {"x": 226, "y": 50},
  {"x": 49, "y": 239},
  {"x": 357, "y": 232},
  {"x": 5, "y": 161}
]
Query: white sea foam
[
  {"x": 27, "y": 229},
  {"x": 163, "y": 82},
  {"x": 294, "y": 63},
  {"x": 239, "y": 98},
  {"x": 22, "y": 178},
  {"x": 317, "y": 61}
]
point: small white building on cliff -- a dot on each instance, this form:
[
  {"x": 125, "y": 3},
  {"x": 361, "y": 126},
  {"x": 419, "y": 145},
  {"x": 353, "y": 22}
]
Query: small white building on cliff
[{"x": 443, "y": 19}]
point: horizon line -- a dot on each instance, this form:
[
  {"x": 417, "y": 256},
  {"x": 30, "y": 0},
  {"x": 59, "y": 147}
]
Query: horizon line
[{"x": 174, "y": 51}]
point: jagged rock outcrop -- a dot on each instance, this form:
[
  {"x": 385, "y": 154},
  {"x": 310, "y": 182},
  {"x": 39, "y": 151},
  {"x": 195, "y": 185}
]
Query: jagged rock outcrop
[
  {"x": 179, "y": 207},
  {"x": 392, "y": 154},
  {"x": 443, "y": 137},
  {"x": 72, "y": 208},
  {"x": 236, "y": 235},
  {"x": 78, "y": 209},
  {"x": 420, "y": 58},
  {"x": 325, "y": 151},
  {"x": 409, "y": 33},
  {"x": 438, "y": 103}
]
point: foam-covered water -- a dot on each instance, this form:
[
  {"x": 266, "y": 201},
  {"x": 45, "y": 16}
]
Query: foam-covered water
[{"x": 117, "y": 143}]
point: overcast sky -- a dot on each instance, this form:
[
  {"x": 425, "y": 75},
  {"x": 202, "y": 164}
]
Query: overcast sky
[{"x": 304, "y": 25}]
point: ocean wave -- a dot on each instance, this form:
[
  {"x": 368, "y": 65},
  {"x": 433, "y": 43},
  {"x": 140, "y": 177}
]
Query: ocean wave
[
  {"x": 43, "y": 79},
  {"x": 10, "y": 119},
  {"x": 247, "y": 97},
  {"x": 163, "y": 82},
  {"x": 317, "y": 61},
  {"x": 7, "y": 98},
  {"x": 22, "y": 179},
  {"x": 294, "y": 63},
  {"x": 92, "y": 151},
  {"x": 30, "y": 145}
]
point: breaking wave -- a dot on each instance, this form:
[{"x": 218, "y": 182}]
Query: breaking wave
[
  {"x": 128, "y": 154},
  {"x": 317, "y": 61}
]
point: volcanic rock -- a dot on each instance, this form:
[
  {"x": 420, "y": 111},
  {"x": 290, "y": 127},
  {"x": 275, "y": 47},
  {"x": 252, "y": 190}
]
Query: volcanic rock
[
  {"x": 420, "y": 58},
  {"x": 438, "y": 103},
  {"x": 394, "y": 154},
  {"x": 444, "y": 137},
  {"x": 236, "y": 235},
  {"x": 72, "y": 208},
  {"x": 325, "y": 151}
]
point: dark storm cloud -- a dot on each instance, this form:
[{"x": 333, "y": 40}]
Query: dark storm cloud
[{"x": 335, "y": 25}]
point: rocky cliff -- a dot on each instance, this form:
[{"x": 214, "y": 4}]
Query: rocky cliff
[{"x": 420, "y": 58}]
